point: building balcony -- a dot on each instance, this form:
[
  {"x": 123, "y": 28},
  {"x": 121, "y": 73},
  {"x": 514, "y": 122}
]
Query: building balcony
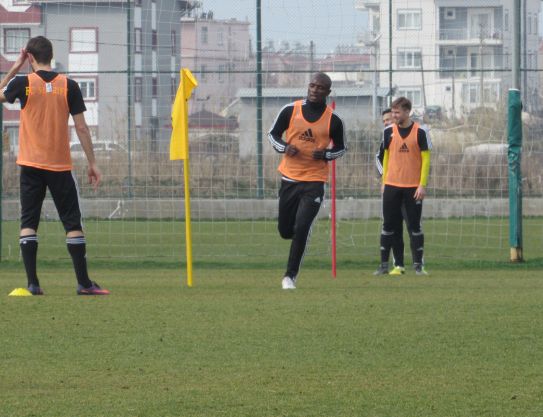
[
  {"x": 471, "y": 75},
  {"x": 368, "y": 38},
  {"x": 466, "y": 37},
  {"x": 367, "y": 4}
]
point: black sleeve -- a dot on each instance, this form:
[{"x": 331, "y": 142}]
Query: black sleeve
[
  {"x": 337, "y": 134},
  {"x": 423, "y": 139},
  {"x": 379, "y": 156},
  {"x": 387, "y": 137},
  {"x": 16, "y": 89},
  {"x": 76, "y": 104},
  {"x": 275, "y": 135}
]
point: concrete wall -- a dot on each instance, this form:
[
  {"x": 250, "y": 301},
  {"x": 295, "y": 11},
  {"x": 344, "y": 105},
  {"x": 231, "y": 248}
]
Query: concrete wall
[{"x": 248, "y": 209}]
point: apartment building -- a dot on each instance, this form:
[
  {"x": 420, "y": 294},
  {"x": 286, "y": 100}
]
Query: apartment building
[
  {"x": 452, "y": 53},
  {"x": 125, "y": 61},
  {"x": 217, "y": 51}
]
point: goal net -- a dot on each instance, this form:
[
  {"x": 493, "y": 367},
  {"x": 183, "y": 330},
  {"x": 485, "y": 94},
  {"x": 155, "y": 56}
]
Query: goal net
[{"x": 453, "y": 63}]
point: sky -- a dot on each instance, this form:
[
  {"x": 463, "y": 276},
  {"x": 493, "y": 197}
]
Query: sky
[{"x": 327, "y": 23}]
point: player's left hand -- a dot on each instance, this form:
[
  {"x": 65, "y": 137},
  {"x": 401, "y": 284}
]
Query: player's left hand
[
  {"x": 420, "y": 193},
  {"x": 94, "y": 174},
  {"x": 319, "y": 154}
]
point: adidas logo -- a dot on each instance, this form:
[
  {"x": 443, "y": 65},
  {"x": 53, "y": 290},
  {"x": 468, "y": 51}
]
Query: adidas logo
[
  {"x": 404, "y": 148},
  {"x": 307, "y": 136}
]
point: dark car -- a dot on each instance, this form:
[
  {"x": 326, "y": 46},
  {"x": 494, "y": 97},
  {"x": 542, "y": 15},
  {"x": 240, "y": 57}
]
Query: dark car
[{"x": 433, "y": 113}]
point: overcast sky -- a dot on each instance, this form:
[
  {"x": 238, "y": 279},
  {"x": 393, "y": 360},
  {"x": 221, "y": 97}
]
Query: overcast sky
[{"x": 326, "y": 22}]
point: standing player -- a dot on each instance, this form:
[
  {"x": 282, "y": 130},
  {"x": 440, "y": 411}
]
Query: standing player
[
  {"x": 309, "y": 126},
  {"x": 398, "y": 245},
  {"x": 406, "y": 166},
  {"x": 47, "y": 99}
]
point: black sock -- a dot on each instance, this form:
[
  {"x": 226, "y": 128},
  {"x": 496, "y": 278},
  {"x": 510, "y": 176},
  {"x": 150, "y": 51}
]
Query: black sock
[
  {"x": 397, "y": 251},
  {"x": 387, "y": 240},
  {"x": 417, "y": 245},
  {"x": 78, "y": 252},
  {"x": 29, "y": 252}
]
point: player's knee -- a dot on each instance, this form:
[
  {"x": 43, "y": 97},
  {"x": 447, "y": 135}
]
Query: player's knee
[{"x": 285, "y": 233}]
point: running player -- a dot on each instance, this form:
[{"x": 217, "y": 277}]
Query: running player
[{"x": 309, "y": 126}]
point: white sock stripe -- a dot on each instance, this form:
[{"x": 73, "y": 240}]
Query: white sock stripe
[
  {"x": 28, "y": 239},
  {"x": 75, "y": 241}
]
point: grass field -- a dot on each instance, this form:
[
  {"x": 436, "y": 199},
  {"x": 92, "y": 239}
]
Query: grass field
[
  {"x": 470, "y": 241},
  {"x": 458, "y": 343},
  {"x": 463, "y": 342}
]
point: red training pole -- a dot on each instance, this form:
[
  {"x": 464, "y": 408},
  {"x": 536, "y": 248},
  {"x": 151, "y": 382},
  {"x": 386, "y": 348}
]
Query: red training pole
[{"x": 334, "y": 258}]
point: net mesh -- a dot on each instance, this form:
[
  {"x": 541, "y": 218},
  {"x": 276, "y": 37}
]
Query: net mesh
[{"x": 452, "y": 62}]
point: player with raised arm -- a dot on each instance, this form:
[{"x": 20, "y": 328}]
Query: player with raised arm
[
  {"x": 309, "y": 126},
  {"x": 47, "y": 99},
  {"x": 406, "y": 166}
]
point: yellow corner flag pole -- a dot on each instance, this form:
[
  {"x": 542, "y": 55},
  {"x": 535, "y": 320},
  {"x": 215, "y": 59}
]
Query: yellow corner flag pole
[{"x": 179, "y": 149}]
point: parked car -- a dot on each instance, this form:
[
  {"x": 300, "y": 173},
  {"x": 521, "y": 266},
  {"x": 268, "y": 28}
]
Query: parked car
[
  {"x": 433, "y": 113},
  {"x": 102, "y": 148}
]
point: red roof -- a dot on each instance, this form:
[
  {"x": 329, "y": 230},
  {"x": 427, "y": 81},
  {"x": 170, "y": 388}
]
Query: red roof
[
  {"x": 11, "y": 115},
  {"x": 29, "y": 16}
]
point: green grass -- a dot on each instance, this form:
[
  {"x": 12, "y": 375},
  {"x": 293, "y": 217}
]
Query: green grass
[
  {"x": 470, "y": 241},
  {"x": 459, "y": 343}
]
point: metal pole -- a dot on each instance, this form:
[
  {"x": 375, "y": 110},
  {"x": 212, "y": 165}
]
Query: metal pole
[
  {"x": 129, "y": 92},
  {"x": 423, "y": 82},
  {"x": 389, "y": 52},
  {"x": 374, "y": 93},
  {"x": 481, "y": 78},
  {"x": 514, "y": 139},
  {"x": 524, "y": 52},
  {"x": 260, "y": 180},
  {"x": 1, "y": 171},
  {"x": 454, "y": 86},
  {"x": 516, "y": 45}
]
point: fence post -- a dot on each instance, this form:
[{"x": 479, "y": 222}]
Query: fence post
[{"x": 514, "y": 139}]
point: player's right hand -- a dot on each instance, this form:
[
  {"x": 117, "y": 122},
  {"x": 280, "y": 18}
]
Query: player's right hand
[
  {"x": 291, "y": 150},
  {"x": 23, "y": 56},
  {"x": 94, "y": 174}
]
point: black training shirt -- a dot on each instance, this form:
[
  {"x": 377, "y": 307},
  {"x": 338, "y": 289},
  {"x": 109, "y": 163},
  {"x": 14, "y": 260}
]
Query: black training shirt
[{"x": 16, "y": 89}]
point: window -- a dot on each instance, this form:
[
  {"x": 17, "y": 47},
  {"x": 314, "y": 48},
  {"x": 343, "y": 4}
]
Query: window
[
  {"x": 204, "y": 34},
  {"x": 222, "y": 69},
  {"x": 154, "y": 39},
  {"x": 506, "y": 20},
  {"x": 203, "y": 74},
  {"x": 409, "y": 58},
  {"x": 529, "y": 23},
  {"x": 409, "y": 19},
  {"x": 83, "y": 40},
  {"x": 450, "y": 14},
  {"x": 155, "y": 87},
  {"x": 473, "y": 94},
  {"x": 15, "y": 40},
  {"x": 220, "y": 37},
  {"x": 173, "y": 88},
  {"x": 413, "y": 94},
  {"x": 138, "y": 89},
  {"x": 174, "y": 42},
  {"x": 137, "y": 40},
  {"x": 88, "y": 88}
]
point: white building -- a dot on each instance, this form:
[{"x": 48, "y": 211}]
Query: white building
[{"x": 463, "y": 47}]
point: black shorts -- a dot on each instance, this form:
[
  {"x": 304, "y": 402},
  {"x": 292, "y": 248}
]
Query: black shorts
[{"x": 63, "y": 189}]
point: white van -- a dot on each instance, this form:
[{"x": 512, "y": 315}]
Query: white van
[{"x": 101, "y": 147}]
